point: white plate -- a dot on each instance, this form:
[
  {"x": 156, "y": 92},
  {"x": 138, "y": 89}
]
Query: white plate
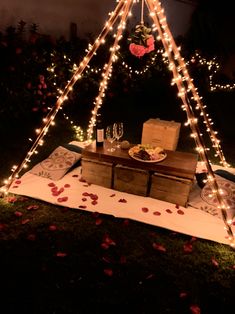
[{"x": 131, "y": 151}]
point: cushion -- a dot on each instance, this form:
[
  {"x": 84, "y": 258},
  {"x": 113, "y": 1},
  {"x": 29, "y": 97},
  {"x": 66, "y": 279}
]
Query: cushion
[
  {"x": 204, "y": 199},
  {"x": 57, "y": 164}
]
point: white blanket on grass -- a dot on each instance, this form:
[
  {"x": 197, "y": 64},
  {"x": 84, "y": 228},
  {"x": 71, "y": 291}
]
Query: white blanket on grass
[{"x": 71, "y": 192}]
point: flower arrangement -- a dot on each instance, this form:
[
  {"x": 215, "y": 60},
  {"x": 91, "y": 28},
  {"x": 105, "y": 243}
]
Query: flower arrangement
[{"x": 142, "y": 41}]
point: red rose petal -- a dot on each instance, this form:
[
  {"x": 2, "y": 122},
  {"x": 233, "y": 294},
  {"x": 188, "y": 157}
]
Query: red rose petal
[
  {"x": 122, "y": 200},
  {"x": 112, "y": 195},
  {"x": 25, "y": 221},
  {"x": 169, "y": 211},
  {"x": 159, "y": 247},
  {"x": 62, "y": 199},
  {"x": 188, "y": 247},
  {"x": 30, "y": 207},
  {"x": 17, "y": 182},
  {"x": 51, "y": 184},
  {"x": 108, "y": 272},
  {"x": 156, "y": 213},
  {"x": 67, "y": 185},
  {"x": 94, "y": 202},
  {"x": 183, "y": 294},
  {"x": 214, "y": 262},
  {"x": 86, "y": 194},
  {"x": 52, "y": 227},
  {"x": 195, "y": 309},
  {"x": 98, "y": 221},
  {"x": 145, "y": 209},
  {"x": 94, "y": 197},
  {"x": 11, "y": 199},
  {"x": 180, "y": 212},
  {"x": 84, "y": 199},
  {"x": 18, "y": 214},
  {"x": 104, "y": 245},
  {"x": 61, "y": 254},
  {"x": 82, "y": 206}
]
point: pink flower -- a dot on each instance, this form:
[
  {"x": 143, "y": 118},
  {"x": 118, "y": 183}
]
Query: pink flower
[
  {"x": 137, "y": 50},
  {"x": 149, "y": 48},
  {"x": 150, "y": 41}
]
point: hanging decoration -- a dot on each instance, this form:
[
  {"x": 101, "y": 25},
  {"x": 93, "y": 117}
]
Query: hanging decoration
[{"x": 142, "y": 41}]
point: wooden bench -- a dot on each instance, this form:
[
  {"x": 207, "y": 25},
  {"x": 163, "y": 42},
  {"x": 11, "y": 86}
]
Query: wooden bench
[{"x": 169, "y": 180}]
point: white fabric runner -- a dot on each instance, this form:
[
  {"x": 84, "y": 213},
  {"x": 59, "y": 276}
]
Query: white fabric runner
[{"x": 71, "y": 192}]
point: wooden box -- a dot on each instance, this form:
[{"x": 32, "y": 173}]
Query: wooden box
[
  {"x": 161, "y": 133},
  {"x": 131, "y": 180},
  {"x": 97, "y": 172},
  {"x": 170, "y": 188}
]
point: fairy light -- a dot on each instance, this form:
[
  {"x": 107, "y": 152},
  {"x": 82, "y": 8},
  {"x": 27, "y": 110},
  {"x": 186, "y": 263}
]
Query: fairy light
[
  {"x": 181, "y": 79},
  {"x": 107, "y": 72}
]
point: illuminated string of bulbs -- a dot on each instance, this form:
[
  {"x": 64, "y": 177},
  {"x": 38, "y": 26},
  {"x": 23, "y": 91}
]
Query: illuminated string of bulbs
[
  {"x": 185, "y": 85},
  {"x": 107, "y": 71},
  {"x": 213, "y": 67},
  {"x": 180, "y": 77}
]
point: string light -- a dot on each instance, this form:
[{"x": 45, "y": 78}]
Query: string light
[{"x": 181, "y": 79}]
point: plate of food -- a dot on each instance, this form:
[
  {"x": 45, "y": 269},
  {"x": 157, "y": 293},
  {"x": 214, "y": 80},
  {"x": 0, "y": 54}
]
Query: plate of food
[{"x": 147, "y": 153}]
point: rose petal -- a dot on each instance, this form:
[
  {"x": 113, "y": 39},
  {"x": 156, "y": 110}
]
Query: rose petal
[
  {"x": 195, "y": 309},
  {"x": 25, "y": 221},
  {"x": 144, "y": 209},
  {"x": 18, "y": 214},
  {"x": 61, "y": 254},
  {"x": 52, "y": 228},
  {"x": 159, "y": 247},
  {"x": 98, "y": 221},
  {"x": 156, "y": 213},
  {"x": 62, "y": 199},
  {"x": 112, "y": 195},
  {"x": 51, "y": 184},
  {"x": 180, "y": 212},
  {"x": 169, "y": 211},
  {"x": 214, "y": 262},
  {"x": 67, "y": 185},
  {"x": 32, "y": 207},
  {"x": 188, "y": 247},
  {"x": 122, "y": 200},
  {"x": 108, "y": 272}
]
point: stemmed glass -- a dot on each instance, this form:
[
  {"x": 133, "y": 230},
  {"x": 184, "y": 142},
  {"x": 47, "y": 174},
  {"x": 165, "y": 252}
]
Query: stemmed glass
[
  {"x": 118, "y": 132},
  {"x": 110, "y": 136}
]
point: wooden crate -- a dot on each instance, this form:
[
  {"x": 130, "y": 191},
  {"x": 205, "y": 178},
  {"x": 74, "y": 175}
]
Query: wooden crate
[
  {"x": 97, "y": 172},
  {"x": 170, "y": 188},
  {"x": 161, "y": 133},
  {"x": 131, "y": 180}
]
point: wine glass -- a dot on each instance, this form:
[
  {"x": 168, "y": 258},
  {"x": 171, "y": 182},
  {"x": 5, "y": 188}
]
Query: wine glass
[
  {"x": 110, "y": 136},
  {"x": 118, "y": 131}
]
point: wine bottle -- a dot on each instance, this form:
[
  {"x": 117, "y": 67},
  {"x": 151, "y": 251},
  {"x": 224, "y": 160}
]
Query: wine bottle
[{"x": 99, "y": 131}]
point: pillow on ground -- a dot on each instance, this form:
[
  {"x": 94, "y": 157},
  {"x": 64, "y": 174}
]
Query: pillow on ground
[
  {"x": 228, "y": 192},
  {"x": 57, "y": 164}
]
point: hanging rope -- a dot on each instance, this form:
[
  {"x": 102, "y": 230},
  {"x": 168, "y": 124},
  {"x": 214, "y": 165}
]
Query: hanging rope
[{"x": 142, "y": 13}]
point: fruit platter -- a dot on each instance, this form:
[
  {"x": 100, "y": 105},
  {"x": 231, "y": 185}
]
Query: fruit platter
[{"x": 147, "y": 153}]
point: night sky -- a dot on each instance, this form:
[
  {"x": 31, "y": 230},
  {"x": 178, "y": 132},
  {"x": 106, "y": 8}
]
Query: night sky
[{"x": 54, "y": 16}]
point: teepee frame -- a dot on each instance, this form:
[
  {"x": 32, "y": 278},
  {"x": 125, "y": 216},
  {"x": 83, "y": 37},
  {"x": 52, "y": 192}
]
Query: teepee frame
[{"x": 186, "y": 91}]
